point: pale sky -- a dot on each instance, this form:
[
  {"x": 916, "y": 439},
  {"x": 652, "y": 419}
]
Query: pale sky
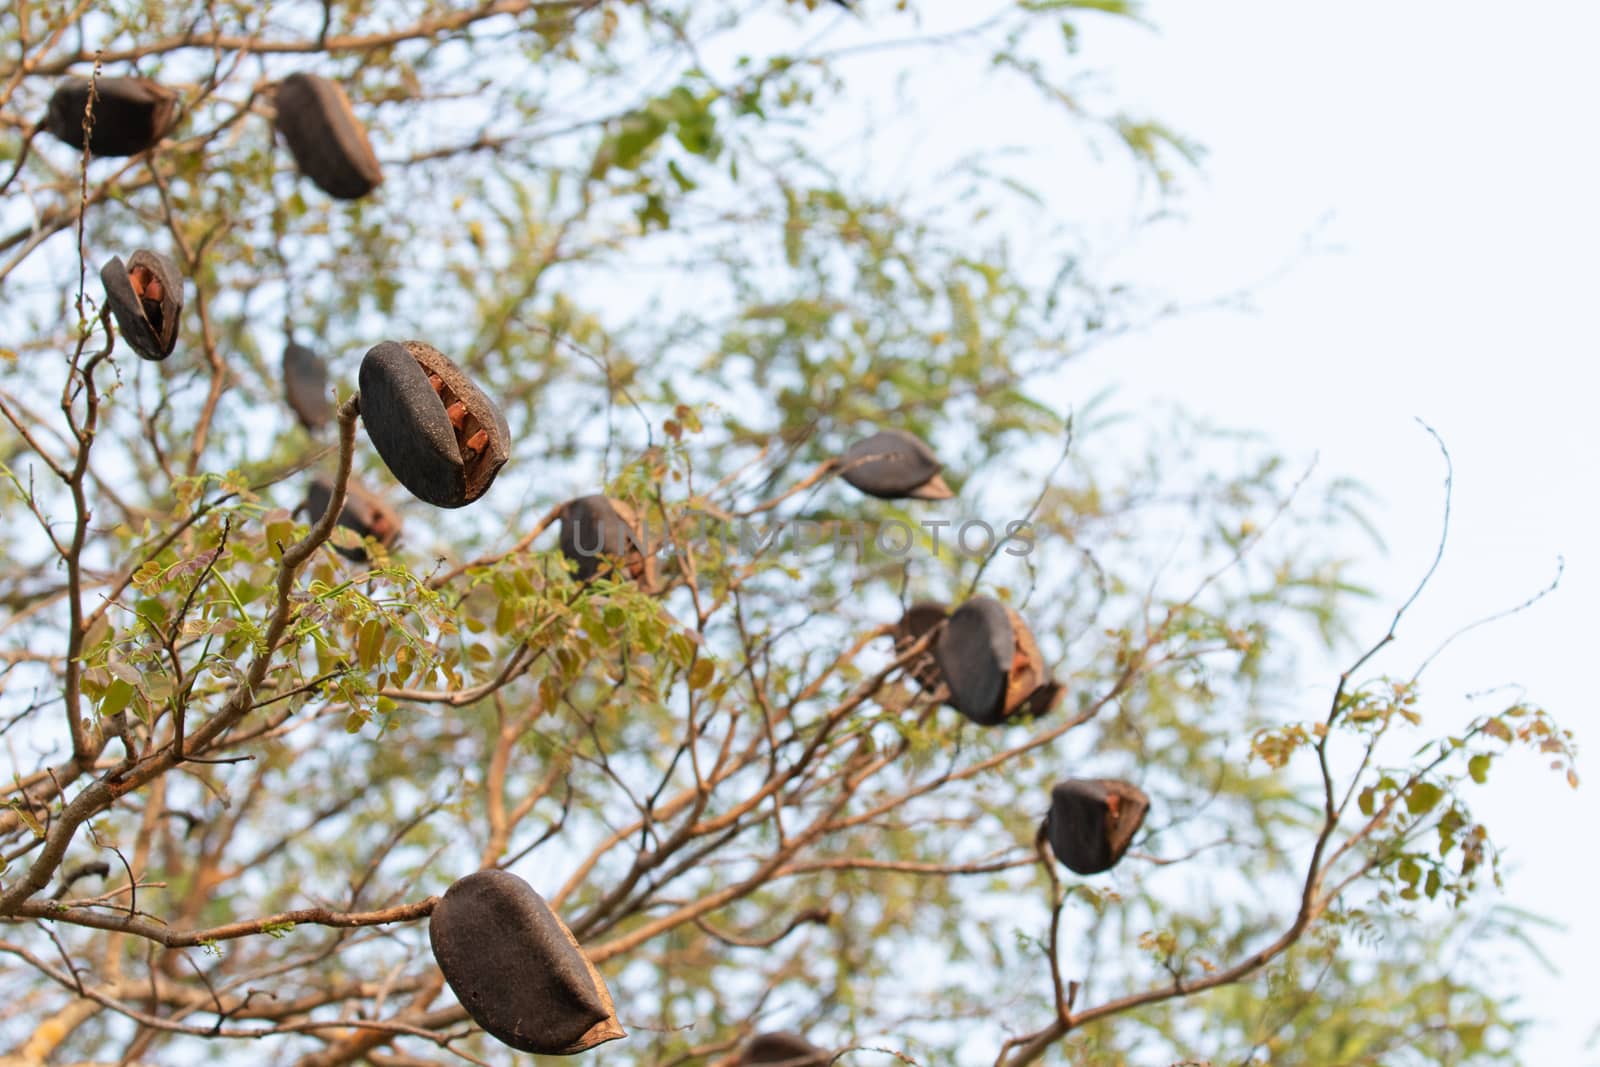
[
  {"x": 1451, "y": 152},
  {"x": 1443, "y": 158}
]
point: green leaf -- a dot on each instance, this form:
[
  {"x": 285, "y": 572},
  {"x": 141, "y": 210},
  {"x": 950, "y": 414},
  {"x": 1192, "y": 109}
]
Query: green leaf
[
  {"x": 1367, "y": 801},
  {"x": 118, "y": 695},
  {"x": 793, "y": 228},
  {"x": 653, "y": 212},
  {"x": 1478, "y": 767},
  {"x": 701, "y": 673},
  {"x": 28, "y": 819},
  {"x": 369, "y": 643},
  {"x": 1423, "y": 797}
]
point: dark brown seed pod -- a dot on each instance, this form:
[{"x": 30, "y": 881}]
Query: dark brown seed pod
[
  {"x": 992, "y": 665},
  {"x": 305, "y": 386},
  {"x": 920, "y": 618},
  {"x": 129, "y": 116},
  {"x": 1092, "y": 821},
  {"x": 892, "y": 465},
  {"x": 1042, "y": 700},
  {"x": 440, "y": 436},
  {"x": 596, "y": 529},
  {"x": 328, "y": 142},
  {"x": 146, "y": 296},
  {"x": 517, "y": 969},
  {"x": 366, "y": 514},
  {"x": 783, "y": 1048}
]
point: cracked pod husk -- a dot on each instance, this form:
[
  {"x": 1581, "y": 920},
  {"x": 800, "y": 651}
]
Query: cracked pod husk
[
  {"x": 440, "y": 436},
  {"x": 364, "y": 513},
  {"x": 596, "y": 529},
  {"x": 305, "y": 387},
  {"x": 517, "y": 969},
  {"x": 328, "y": 142},
  {"x": 920, "y": 618},
  {"x": 992, "y": 665},
  {"x": 146, "y": 296},
  {"x": 893, "y": 465},
  {"x": 783, "y": 1048},
  {"x": 1092, "y": 821},
  {"x": 130, "y": 114}
]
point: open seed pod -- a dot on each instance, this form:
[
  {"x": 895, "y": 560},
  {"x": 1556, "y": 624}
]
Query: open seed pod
[
  {"x": 782, "y": 1048},
  {"x": 1092, "y": 820},
  {"x": 129, "y": 116},
  {"x": 440, "y": 436},
  {"x": 146, "y": 296},
  {"x": 919, "y": 618},
  {"x": 517, "y": 969},
  {"x": 992, "y": 665},
  {"x": 305, "y": 387},
  {"x": 366, "y": 514},
  {"x": 328, "y": 142},
  {"x": 596, "y": 529},
  {"x": 893, "y": 464}
]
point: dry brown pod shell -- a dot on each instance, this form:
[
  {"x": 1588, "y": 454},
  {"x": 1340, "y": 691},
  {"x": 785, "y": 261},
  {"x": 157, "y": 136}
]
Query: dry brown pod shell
[
  {"x": 440, "y": 435},
  {"x": 919, "y": 619},
  {"x": 328, "y": 142},
  {"x": 783, "y": 1048},
  {"x": 517, "y": 969},
  {"x": 146, "y": 296},
  {"x": 992, "y": 665},
  {"x": 1092, "y": 821},
  {"x": 596, "y": 529},
  {"x": 893, "y": 465},
  {"x": 305, "y": 386},
  {"x": 364, "y": 513},
  {"x": 129, "y": 115}
]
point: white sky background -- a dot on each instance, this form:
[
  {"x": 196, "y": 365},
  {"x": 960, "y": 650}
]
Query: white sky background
[
  {"x": 1444, "y": 160},
  {"x": 1451, "y": 153}
]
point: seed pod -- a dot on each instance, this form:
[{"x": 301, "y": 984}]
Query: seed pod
[
  {"x": 517, "y": 969},
  {"x": 992, "y": 665},
  {"x": 440, "y": 436},
  {"x": 305, "y": 387},
  {"x": 912, "y": 627},
  {"x": 596, "y": 528},
  {"x": 892, "y": 465},
  {"x": 1042, "y": 700},
  {"x": 1092, "y": 821},
  {"x": 328, "y": 142},
  {"x": 146, "y": 296},
  {"x": 129, "y": 116},
  {"x": 783, "y": 1048},
  {"x": 366, "y": 514}
]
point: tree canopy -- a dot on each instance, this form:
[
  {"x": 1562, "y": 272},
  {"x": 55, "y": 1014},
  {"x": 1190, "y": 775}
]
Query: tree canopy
[{"x": 341, "y": 337}]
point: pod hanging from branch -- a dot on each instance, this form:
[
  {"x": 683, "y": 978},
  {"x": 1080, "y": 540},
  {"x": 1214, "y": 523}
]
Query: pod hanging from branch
[
  {"x": 1092, "y": 821},
  {"x": 440, "y": 435},
  {"x": 915, "y": 624},
  {"x": 328, "y": 142},
  {"x": 146, "y": 296},
  {"x": 783, "y": 1048},
  {"x": 517, "y": 969},
  {"x": 992, "y": 665},
  {"x": 596, "y": 530},
  {"x": 894, "y": 465},
  {"x": 305, "y": 387},
  {"x": 129, "y": 114},
  {"x": 366, "y": 514}
]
